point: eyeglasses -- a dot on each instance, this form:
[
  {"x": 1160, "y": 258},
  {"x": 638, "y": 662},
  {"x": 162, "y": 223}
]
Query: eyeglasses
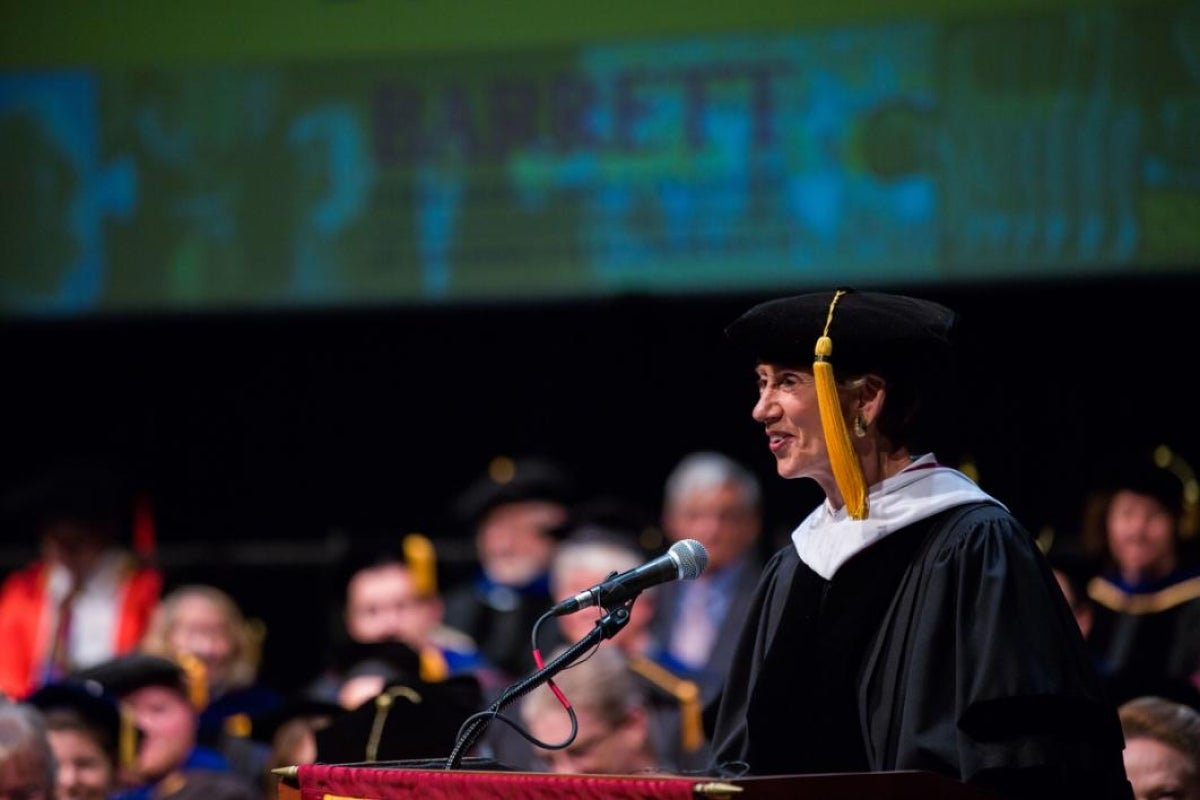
[{"x": 583, "y": 749}]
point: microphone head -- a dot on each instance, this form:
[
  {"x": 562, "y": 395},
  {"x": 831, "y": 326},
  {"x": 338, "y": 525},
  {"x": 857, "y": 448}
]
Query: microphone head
[{"x": 690, "y": 556}]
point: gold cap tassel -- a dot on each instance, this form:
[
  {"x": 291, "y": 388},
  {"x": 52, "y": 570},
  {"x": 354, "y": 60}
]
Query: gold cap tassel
[
  {"x": 846, "y": 470},
  {"x": 421, "y": 558}
]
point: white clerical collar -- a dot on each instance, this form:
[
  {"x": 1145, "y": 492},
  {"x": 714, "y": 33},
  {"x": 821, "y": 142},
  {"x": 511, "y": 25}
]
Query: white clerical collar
[{"x": 828, "y": 538}]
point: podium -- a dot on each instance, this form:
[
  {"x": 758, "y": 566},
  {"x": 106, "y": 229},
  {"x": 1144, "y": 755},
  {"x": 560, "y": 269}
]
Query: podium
[{"x": 401, "y": 780}]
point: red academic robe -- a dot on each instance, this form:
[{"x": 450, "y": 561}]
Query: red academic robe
[{"x": 25, "y": 629}]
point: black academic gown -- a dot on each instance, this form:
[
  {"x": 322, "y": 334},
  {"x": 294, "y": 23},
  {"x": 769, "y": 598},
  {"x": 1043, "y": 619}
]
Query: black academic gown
[
  {"x": 1147, "y": 642},
  {"x": 499, "y": 619},
  {"x": 946, "y": 646}
]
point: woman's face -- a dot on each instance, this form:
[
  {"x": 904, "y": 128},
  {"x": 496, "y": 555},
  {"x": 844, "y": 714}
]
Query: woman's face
[
  {"x": 787, "y": 408},
  {"x": 1141, "y": 535},
  {"x": 84, "y": 770},
  {"x": 201, "y": 629}
]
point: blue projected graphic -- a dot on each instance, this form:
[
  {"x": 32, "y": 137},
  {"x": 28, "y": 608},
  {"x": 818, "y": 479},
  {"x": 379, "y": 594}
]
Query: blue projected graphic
[
  {"x": 870, "y": 154},
  {"x": 58, "y": 192}
]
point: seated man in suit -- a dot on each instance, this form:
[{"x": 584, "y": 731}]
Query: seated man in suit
[
  {"x": 615, "y": 734},
  {"x": 586, "y": 559},
  {"x": 716, "y": 501}
]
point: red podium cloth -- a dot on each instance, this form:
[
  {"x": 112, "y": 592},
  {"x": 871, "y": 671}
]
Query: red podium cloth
[{"x": 330, "y": 781}]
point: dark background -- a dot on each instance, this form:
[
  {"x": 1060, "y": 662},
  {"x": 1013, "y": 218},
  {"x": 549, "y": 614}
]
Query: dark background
[{"x": 271, "y": 441}]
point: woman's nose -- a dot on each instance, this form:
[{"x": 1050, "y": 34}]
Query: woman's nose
[{"x": 763, "y": 408}]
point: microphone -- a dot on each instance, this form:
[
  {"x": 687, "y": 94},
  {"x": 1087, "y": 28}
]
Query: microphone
[{"x": 686, "y": 559}]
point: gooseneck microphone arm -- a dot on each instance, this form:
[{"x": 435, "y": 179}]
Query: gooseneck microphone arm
[{"x": 606, "y": 627}]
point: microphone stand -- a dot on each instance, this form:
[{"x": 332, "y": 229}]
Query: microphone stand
[{"x": 606, "y": 627}]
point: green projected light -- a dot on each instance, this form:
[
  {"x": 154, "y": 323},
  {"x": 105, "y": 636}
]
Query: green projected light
[{"x": 232, "y": 161}]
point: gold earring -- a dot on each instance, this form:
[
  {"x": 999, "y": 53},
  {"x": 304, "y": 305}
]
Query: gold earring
[{"x": 860, "y": 426}]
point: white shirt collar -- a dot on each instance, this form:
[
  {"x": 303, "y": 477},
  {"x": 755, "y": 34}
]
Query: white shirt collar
[{"x": 826, "y": 538}]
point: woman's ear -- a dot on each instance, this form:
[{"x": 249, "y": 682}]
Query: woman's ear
[{"x": 871, "y": 396}]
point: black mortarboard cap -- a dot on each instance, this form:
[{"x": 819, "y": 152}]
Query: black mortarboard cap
[
  {"x": 87, "y": 699},
  {"x": 409, "y": 719},
  {"x": 889, "y": 334},
  {"x": 94, "y": 704},
  {"x": 124, "y": 674},
  {"x": 1139, "y": 472},
  {"x": 263, "y": 726},
  {"x": 845, "y": 333},
  {"x": 1157, "y": 472},
  {"x": 513, "y": 480}
]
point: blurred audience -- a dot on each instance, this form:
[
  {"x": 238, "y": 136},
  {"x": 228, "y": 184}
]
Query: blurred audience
[
  {"x": 289, "y": 734},
  {"x": 1162, "y": 748},
  {"x": 615, "y": 734},
  {"x": 514, "y": 512},
  {"x": 83, "y": 725},
  {"x": 1147, "y": 599},
  {"x": 391, "y": 712},
  {"x": 716, "y": 501},
  {"x": 87, "y": 597},
  {"x": 163, "y": 700},
  {"x": 393, "y": 597},
  {"x": 203, "y": 628},
  {"x": 368, "y": 667},
  {"x": 413, "y": 666},
  {"x": 581, "y": 563},
  {"x": 587, "y": 557},
  {"x": 26, "y": 762}
]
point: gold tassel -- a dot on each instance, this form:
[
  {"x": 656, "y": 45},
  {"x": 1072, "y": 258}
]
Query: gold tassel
[
  {"x": 127, "y": 740},
  {"x": 846, "y": 470},
  {"x": 239, "y": 725},
  {"x": 691, "y": 722},
  {"x": 687, "y": 693},
  {"x": 195, "y": 678},
  {"x": 434, "y": 668},
  {"x": 421, "y": 559}
]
